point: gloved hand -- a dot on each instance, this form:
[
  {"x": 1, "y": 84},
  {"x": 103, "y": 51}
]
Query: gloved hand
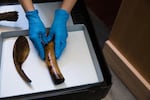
[
  {"x": 58, "y": 31},
  {"x": 37, "y": 32}
]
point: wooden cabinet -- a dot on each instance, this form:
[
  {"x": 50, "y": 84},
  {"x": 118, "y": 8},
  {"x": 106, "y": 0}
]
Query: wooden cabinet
[
  {"x": 105, "y": 10},
  {"x": 128, "y": 49}
]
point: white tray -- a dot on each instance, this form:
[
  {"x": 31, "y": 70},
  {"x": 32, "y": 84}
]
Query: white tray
[
  {"x": 46, "y": 13},
  {"x": 78, "y": 64}
]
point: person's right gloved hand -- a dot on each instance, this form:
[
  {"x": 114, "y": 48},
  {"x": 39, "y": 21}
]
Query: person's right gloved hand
[{"x": 37, "y": 32}]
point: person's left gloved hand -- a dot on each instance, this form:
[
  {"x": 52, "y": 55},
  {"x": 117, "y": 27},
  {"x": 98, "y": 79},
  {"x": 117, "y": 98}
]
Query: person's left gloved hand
[{"x": 58, "y": 31}]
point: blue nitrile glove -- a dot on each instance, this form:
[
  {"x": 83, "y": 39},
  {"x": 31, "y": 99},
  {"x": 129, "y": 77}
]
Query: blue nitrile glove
[
  {"x": 37, "y": 32},
  {"x": 58, "y": 31}
]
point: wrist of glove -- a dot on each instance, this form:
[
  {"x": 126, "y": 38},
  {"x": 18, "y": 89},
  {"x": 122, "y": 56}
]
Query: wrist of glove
[
  {"x": 58, "y": 31},
  {"x": 37, "y": 32}
]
